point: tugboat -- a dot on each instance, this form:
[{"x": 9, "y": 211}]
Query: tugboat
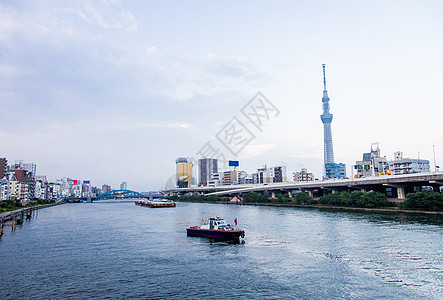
[{"x": 216, "y": 228}]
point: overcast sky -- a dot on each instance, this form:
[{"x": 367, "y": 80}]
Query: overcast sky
[{"x": 113, "y": 91}]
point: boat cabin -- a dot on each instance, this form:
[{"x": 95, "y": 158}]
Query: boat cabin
[{"x": 214, "y": 223}]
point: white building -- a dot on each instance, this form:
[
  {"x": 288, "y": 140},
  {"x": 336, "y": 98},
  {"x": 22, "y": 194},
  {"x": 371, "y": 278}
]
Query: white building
[
  {"x": 77, "y": 189},
  {"x": 66, "y": 185},
  {"x": 372, "y": 163},
  {"x": 41, "y": 189},
  {"x": 303, "y": 175},
  {"x": 271, "y": 175},
  {"x": 55, "y": 191},
  {"x": 402, "y": 165},
  {"x": 4, "y": 189},
  {"x": 216, "y": 179},
  {"x": 19, "y": 191}
]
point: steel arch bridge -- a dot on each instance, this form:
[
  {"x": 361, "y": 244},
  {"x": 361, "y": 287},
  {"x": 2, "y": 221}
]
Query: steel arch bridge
[{"x": 119, "y": 194}]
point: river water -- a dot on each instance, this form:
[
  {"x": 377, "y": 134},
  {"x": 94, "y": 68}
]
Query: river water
[{"x": 117, "y": 250}]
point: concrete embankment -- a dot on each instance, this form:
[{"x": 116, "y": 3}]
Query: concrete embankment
[
  {"x": 330, "y": 207},
  {"x": 368, "y": 209}
]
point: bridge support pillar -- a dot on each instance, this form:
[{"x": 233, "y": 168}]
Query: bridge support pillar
[
  {"x": 311, "y": 194},
  {"x": 273, "y": 195},
  {"x": 401, "y": 193},
  {"x": 290, "y": 194}
]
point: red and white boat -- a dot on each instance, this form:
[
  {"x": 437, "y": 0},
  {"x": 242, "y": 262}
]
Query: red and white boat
[{"x": 216, "y": 228}]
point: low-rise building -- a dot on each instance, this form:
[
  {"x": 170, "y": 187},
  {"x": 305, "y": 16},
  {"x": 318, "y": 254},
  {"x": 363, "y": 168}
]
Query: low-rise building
[
  {"x": 303, "y": 175},
  {"x": 402, "y": 165},
  {"x": 372, "y": 164},
  {"x": 216, "y": 179},
  {"x": 270, "y": 174},
  {"x": 335, "y": 170},
  {"x": 230, "y": 177}
]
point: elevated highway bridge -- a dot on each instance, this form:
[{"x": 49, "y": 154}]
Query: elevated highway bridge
[
  {"x": 115, "y": 194},
  {"x": 395, "y": 186}
]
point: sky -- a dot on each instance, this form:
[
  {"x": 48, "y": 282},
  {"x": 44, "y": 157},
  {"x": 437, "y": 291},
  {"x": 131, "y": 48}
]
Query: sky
[{"x": 113, "y": 91}]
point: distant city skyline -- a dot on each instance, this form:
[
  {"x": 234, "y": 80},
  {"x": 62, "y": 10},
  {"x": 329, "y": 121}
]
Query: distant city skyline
[{"x": 117, "y": 90}]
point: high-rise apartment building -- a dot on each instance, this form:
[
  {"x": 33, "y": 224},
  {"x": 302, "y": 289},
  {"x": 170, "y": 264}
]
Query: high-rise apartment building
[
  {"x": 3, "y": 168},
  {"x": 206, "y": 167},
  {"x": 106, "y": 188},
  {"x": 124, "y": 185},
  {"x": 184, "y": 172}
]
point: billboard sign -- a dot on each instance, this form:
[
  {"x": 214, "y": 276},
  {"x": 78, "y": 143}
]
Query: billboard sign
[{"x": 233, "y": 163}]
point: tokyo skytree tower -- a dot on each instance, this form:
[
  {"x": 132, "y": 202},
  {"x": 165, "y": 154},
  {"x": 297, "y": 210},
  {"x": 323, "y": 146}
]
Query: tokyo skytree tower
[{"x": 326, "y": 118}]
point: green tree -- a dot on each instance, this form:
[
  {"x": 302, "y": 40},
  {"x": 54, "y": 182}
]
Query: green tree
[
  {"x": 303, "y": 198},
  {"x": 424, "y": 200},
  {"x": 254, "y": 197}
]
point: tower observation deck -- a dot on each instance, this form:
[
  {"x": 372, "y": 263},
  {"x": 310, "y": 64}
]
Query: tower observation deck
[{"x": 326, "y": 118}]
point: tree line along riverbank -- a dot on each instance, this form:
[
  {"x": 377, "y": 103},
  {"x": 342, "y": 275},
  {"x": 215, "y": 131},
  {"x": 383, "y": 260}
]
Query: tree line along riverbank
[
  {"x": 424, "y": 201},
  {"x": 11, "y": 205}
]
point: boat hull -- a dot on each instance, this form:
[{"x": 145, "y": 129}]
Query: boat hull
[
  {"x": 216, "y": 233},
  {"x": 166, "y": 204}
]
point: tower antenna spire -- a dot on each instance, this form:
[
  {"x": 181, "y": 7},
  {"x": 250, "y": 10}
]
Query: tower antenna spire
[{"x": 324, "y": 75}]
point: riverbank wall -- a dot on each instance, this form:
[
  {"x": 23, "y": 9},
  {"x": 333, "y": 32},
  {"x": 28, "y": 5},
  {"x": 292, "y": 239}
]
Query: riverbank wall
[{"x": 330, "y": 207}]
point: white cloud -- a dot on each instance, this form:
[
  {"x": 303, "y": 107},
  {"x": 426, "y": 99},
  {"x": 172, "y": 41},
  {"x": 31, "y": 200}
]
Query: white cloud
[
  {"x": 151, "y": 50},
  {"x": 107, "y": 14}
]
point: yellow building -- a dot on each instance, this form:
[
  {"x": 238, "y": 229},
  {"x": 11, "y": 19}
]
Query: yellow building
[{"x": 184, "y": 172}]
